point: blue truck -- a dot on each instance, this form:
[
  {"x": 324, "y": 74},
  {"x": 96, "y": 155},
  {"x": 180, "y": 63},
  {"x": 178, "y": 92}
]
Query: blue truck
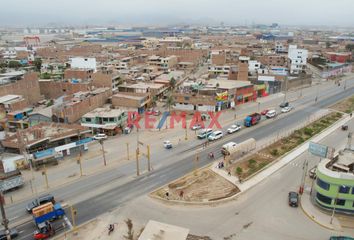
[{"x": 57, "y": 212}]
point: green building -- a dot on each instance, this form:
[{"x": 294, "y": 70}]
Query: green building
[
  {"x": 105, "y": 120},
  {"x": 334, "y": 185}
]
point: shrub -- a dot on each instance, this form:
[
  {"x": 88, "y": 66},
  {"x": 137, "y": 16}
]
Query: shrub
[
  {"x": 308, "y": 131},
  {"x": 251, "y": 163},
  {"x": 274, "y": 152},
  {"x": 239, "y": 171}
]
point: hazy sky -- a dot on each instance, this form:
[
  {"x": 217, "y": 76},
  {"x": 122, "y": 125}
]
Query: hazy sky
[{"x": 139, "y": 12}]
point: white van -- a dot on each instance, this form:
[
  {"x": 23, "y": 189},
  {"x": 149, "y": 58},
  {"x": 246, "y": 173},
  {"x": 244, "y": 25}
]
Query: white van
[
  {"x": 215, "y": 135},
  {"x": 225, "y": 149},
  {"x": 271, "y": 114}
]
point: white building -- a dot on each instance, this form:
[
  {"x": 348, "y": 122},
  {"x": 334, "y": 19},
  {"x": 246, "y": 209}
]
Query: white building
[
  {"x": 280, "y": 47},
  {"x": 83, "y": 63},
  {"x": 253, "y": 66},
  {"x": 297, "y": 59}
]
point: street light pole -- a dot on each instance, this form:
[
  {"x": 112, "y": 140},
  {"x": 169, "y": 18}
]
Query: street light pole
[
  {"x": 334, "y": 205},
  {"x": 127, "y": 151},
  {"x": 103, "y": 153},
  {"x": 148, "y": 157}
]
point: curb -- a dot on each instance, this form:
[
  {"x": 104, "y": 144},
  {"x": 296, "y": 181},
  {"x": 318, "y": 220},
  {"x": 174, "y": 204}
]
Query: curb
[
  {"x": 315, "y": 221},
  {"x": 73, "y": 230}
]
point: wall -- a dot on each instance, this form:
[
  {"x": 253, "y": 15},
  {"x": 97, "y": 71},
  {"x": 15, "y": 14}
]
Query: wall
[
  {"x": 100, "y": 79},
  {"x": 53, "y": 89},
  {"x": 74, "y": 112},
  {"x": 78, "y": 74},
  {"x": 28, "y": 87}
]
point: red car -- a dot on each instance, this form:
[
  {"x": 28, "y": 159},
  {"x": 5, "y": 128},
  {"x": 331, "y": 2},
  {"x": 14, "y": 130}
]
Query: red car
[{"x": 264, "y": 112}]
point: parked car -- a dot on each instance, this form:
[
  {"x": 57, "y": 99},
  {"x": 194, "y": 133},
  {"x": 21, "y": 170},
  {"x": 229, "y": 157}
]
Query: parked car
[
  {"x": 204, "y": 133},
  {"x": 128, "y": 129},
  {"x": 284, "y": 104},
  {"x": 167, "y": 144},
  {"x": 286, "y": 109},
  {"x": 293, "y": 199},
  {"x": 196, "y": 126},
  {"x": 234, "y": 128},
  {"x": 13, "y": 234},
  {"x": 264, "y": 112},
  {"x": 156, "y": 112},
  {"x": 39, "y": 201},
  {"x": 100, "y": 136},
  {"x": 340, "y": 238},
  {"x": 271, "y": 114},
  {"x": 312, "y": 172},
  {"x": 215, "y": 136}
]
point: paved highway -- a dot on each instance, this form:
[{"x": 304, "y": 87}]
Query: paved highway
[{"x": 94, "y": 195}]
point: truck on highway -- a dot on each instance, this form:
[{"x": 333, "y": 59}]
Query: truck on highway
[
  {"x": 43, "y": 215},
  {"x": 252, "y": 119}
]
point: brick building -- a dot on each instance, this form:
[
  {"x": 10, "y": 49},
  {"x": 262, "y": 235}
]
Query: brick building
[
  {"x": 78, "y": 74},
  {"x": 53, "y": 89},
  {"x": 27, "y": 87},
  {"x": 79, "y": 104},
  {"x": 132, "y": 101}
]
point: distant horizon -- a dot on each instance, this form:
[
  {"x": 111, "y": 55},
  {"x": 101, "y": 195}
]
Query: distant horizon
[{"x": 316, "y": 13}]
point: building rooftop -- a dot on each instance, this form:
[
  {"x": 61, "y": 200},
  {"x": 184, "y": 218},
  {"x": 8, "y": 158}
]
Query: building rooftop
[
  {"x": 43, "y": 132},
  {"x": 8, "y": 98},
  {"x": 103, "y": 112},
  {"x": 227, "y": 84}
]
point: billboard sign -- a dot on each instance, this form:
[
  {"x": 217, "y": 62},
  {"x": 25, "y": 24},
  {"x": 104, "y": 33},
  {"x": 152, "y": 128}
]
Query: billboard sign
[{"x": 318, "y": 149}]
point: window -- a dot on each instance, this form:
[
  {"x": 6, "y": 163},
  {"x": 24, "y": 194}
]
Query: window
[
  {"x": 322, "y": 184},
  {"x": 340, "y": 202},
  {"x": 111, "y": 119},
  {"x": 353, "y": 190},
  {"x": 323, "y": 199},
  {"x": 344, "y": 189},
  {"x": 186, "y": 98},
  {"x": 88, "y": 119}
]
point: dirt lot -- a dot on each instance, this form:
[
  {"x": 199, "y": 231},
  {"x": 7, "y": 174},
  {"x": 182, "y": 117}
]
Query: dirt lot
[
  {"x": 269, "y": 154},
  {"x": 347, "y": 105},
  {"x": 200, "y": 186}
]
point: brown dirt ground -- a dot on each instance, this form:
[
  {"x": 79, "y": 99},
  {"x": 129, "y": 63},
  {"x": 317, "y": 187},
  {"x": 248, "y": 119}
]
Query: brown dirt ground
[
  {"x": 199, "y": 186},
  {"x": 347, "y": 105}
]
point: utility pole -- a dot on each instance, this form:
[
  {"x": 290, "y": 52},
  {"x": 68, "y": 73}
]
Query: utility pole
[
  {"x": 148, "y": 157},
  {"x": 334, "y": 204},
  {"x": 80, "y": 154},
  {"x": 286, "y": 88},
  {"x": 44, "y": 173},
  {"x": 103, "y": 153},
  {"x": 304, "y": 168},
  {"x": 127, "y": 151},
  {"x": 137, "y": 161},
  {"x": 137, "y": 152},
  {"x": 5, "y": 221},
  {"x": 73, "y": 216},
  {"x": 186, "y": 134}
]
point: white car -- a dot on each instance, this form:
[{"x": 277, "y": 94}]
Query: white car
[
  {"x": 167, "y": 144},
  {"x": 100, "y": 136},
  {"x": 215, "y": 135},
  {"x": 196, "y": 127},
  {"x": 286, "y": 109},
  {"x": 271, "y": 114},
  {"x": 234, "y": 128}
]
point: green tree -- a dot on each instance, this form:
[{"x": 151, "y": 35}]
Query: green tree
[
  {"x": 170, "y": 101},
  {"x": 349, "y": 47},
  {"x": 239, "y": 171},
  {"x": 328, "y": 44},
  {"x": 173, "y": 83},
  {"x": 45, "y": 75},
  {"x": 154, "y": 101},
  {"x": 14, "y": 64},
  {"x": 51, "y": 68},
  {"x": 37, "y": 64}
]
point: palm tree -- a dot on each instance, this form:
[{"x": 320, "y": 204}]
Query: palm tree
[
  {"x": 154, "y": 101},
  {"x": 170, "y": 101},
  {"x": 173, "y": 83}
]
